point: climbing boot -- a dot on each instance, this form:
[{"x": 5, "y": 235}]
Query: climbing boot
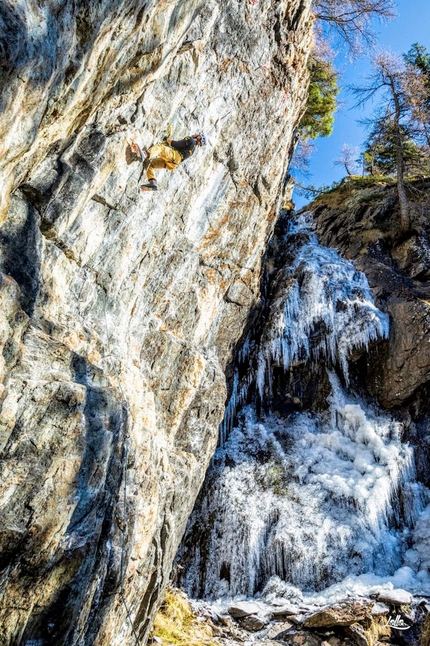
[{"x": 150, "y": 186}]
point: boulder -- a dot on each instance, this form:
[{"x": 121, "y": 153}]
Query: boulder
[
  {"x": 425, "y": 634},
  {"x": 278, "y": 628},
  {"x": 243, "y": 609},
  {"x": 396, "y": 597},
  {"x": 357, "y": 634},
  {"x": 342, "y": 614},
  {"x": 254, "y": 623},
  {"x": 286, "y": 610},
  {"x": 380, "y": 609},
  {"x": 299, "y": 638}
]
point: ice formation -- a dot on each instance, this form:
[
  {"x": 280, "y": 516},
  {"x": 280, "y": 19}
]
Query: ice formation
[
  {"x": 320, "y": 289},
  {"x": 322, "y": 310},
  {"x": 311, "y": 499},
  {"x": 304, "y": 499},
  {"x": 418, "y": 556}
]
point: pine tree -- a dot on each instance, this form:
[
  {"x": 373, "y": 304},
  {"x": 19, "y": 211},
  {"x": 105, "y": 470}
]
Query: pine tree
[
  {"x": 318, "y": 118},
  {"x": 419, "y": 58},
  {"x": 386, "y": 82},
  {"x": 380, "y": 153},
  {"x": 417, "y": 90}
]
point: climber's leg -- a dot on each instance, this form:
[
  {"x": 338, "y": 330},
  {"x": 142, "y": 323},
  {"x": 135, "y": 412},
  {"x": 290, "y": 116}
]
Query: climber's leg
[
  {"x": 154, "y": 164},
  {"x": 160, "y": 156}
]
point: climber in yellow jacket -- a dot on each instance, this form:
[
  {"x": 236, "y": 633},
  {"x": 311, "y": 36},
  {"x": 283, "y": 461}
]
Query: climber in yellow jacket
[{"x": 167, "y": 154}]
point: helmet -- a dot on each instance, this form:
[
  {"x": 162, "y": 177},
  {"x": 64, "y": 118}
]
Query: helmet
[{"x": 203, "y": 138}]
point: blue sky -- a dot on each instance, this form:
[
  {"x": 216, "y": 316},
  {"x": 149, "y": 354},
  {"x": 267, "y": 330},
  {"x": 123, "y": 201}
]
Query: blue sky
[{"x": 411, "y": 25}]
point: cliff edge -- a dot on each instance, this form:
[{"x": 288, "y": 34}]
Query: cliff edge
[{"x": 119, "y": 310}]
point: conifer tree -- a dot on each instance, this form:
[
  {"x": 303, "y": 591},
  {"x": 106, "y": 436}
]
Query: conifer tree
[
  {"x": 318, "y": 118},
  {"x": 380, "y": 153},
  {"x": 417, "y": 90},
  {"x": 386, "y": 82}
]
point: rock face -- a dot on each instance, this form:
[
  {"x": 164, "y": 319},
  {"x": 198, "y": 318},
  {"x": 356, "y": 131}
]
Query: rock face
[
  {"x": 119, "y": 311},
  {"x": 363, "y": 223}
]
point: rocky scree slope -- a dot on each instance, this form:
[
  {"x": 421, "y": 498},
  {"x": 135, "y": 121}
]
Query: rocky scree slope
[{"x": 119, "y": 310}]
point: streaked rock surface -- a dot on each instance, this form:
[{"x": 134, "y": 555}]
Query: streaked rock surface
[{"x": 120, "y": 310}]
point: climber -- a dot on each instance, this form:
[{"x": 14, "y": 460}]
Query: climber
[{"x": 167, "y": 154}]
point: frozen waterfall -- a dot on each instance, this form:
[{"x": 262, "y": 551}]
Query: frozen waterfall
[
  {"x": 311, "y": 497},
  {"x": 322, "y": 309},
  {"x": 320, "y": 289},
  {"x": 311, "y": 500}
]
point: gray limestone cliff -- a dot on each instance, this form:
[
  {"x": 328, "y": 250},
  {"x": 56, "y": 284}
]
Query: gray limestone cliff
[{"x": 119, "y": 310}]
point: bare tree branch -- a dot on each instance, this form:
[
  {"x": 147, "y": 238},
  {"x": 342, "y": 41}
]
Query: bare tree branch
[
  {"x": 348, "y": 158},
  {"x": 351, "y": 20}
]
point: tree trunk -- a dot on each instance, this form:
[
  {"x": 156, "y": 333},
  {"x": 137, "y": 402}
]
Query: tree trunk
[
  {"x": 426, "y": 134},
  {"x": 401, "y": 189}
]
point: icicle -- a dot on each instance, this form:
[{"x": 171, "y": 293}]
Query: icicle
[
  {"x": 309, "y": 499},
  {"x": 320, "y": 288}
]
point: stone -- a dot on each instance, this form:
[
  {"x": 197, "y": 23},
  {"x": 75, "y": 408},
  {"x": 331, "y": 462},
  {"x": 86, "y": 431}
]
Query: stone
[
  {"x": 243, "y": 609},
  {"x": 342, "y": 614},
  {"x": 285, "y": 610},
  {"x": 277, "y": 628},
  {"x": 277, "y": 602},
  {"x": 396, "y": 597},
  {"x": 380, "y": 609},
  {"x": 357, "y": 634},
  {"x": 254, "y": 623},
  {"x": 425, "y": 633},
  {"x": 299, "y": 638},
  {"x": 297, "y": 619}
]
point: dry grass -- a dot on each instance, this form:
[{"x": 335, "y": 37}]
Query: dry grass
[
  {"x": 176, "y": 624},
  {"x": 378, "y": 630},
  {"x": 425, "y": 635},
  {"x": 354, "y": 189}
]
